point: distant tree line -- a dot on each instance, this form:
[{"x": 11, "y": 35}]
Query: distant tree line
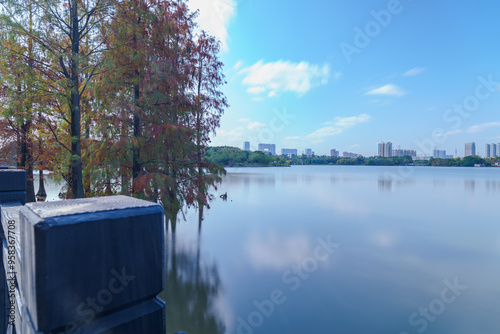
[
  {"x": 468, "y": 161},
  {"x": 114, "y": 96},
  {"x": 371, "y": 161},
  {"x": 233, "y": 156}
]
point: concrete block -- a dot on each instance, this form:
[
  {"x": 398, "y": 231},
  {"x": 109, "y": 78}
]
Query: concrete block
[
  {"x": 13, "y": 196},
  {"x": 89, "y": 257},
  {"x": 12, "y": 180}
]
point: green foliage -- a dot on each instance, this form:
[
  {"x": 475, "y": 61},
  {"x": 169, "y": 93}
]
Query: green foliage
[
  {"x": 235, "y": 157},
  {"x": 468, "y": 161}
]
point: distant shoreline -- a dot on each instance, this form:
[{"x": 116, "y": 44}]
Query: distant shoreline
[{"x": 335, "y": 165}]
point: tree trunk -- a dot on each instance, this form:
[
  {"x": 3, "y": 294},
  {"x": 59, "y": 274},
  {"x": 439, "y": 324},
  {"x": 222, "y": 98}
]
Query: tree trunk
[
  {"x": 87, "y": 175},
  {"x": 26, "y": 162},
  {"x": 136, "y": 164},
  {"x": 41, "y": 195},
  {"x": 76, "y": 150}
]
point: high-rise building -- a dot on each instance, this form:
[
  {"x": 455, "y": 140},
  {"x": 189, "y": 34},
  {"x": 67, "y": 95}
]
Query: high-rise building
[
  {"x": 439, "y": 154},
  {"x": 494, "y": 150},
  {"x": 308, "y": 152},
  {"x": 334, "y": 153},
  {"x": 246, "y": 146},
  {"x": 388, "y": 149},
  {"x": 470, "y": 149},
  {"x": 487, "y": 151},
  {"x": 268, "y": 148},
  {"x": 381, "y": 149},
  {"x": 385, "y": 149},
  {"x": 289, "y": 152}
]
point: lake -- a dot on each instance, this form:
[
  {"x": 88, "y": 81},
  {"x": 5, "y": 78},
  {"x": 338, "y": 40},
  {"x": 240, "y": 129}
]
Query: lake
[{"x": 340, "y": 249}]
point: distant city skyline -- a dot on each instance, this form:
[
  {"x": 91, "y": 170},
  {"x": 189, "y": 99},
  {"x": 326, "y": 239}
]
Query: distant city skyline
[{"x": 385, "y": 149}]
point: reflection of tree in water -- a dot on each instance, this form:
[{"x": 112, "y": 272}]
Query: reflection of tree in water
[{"x": 190, "y": 292}]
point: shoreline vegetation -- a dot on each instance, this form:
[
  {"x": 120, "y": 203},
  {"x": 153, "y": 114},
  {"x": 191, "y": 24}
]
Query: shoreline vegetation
[{"x": 228, "y": 156}]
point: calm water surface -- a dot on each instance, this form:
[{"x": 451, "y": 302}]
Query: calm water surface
[
  {"x": 341, "y": 250},
  {"x": 348, "y": 250}
]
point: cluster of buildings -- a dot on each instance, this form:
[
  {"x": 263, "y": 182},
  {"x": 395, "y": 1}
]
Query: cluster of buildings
[
  {"x": 490, "y": 150},
  {"x": 385, "y": 150},
  {"x": 270, "y": 149},
  {"x": 336, "y": 154},
  {"x": 351, "y": 155},
  {"x": 441, "y": 154}
]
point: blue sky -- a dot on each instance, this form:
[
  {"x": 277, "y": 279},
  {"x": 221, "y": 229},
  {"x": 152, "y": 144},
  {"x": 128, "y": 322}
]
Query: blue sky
[{"x": 348, "y": 74}]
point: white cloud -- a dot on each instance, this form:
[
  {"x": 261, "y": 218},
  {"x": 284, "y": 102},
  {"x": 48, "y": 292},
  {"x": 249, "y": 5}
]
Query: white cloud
[
  {"x": 236, "y": 132},
  {"x": 414, "y": 71},
  {"x": 232, "y": 137},
  {"x": 482, "y": 127},
  {"x": 255, "y": 126},
  {"x": 339, "y": 125},
  {"x": 449, "y": 133},
  {"x": 238, "y": 65},
  {"x": 258, "y": 99},
  {"x": 284, "y": 76},
  {"x": 384, "y": 239},
  {"x": 256, "y": 90},
  {"x": 214, "y": 17},
  {"x": 389, "y": 89}
]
